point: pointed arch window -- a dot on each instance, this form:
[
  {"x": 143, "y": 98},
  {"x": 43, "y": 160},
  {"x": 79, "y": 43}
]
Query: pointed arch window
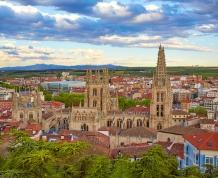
[
  {"x": 21, "y": 115},
  {"x": 30, "y": 115},
  {"x": 129, "y": 123},
  {"x": 119, "y": 121},
  {"x": 147, "y": 123},
  {"x": 109, "y": 123},
  {"x": 159, "y": 126},
  {"x": 94, "y": 92},
  {"x": 84, "y": 127},
  {"x": 94, "y": 103},
  {"x": 139, "y": 122}
]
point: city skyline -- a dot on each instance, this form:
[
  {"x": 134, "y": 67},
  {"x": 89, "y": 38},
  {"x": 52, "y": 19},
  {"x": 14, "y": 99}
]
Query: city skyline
[{"x": 99, "y": 32}]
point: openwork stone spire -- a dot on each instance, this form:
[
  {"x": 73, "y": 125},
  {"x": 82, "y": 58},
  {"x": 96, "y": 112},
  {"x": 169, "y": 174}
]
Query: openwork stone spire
[{"x": 161, "y": 73}]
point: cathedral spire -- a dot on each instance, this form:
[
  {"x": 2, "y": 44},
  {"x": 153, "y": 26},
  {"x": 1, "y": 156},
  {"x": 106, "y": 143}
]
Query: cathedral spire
[{"x": 161, "y": 71}]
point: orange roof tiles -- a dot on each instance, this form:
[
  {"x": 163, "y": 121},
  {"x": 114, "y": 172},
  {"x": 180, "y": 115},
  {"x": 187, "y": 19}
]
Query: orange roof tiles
[{"x": 203, "y": 141}]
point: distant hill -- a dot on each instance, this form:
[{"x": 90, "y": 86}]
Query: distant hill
[{"x": 52, "y": 66}]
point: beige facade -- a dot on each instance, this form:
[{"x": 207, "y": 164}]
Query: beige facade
[
  {"x": 101, "y": 107},
  {"x": 116, "y": 141},
  {"x": 25, "y": 110},
  {"x": 169, "y": 137},
  {"x": 161, "y": 103}
]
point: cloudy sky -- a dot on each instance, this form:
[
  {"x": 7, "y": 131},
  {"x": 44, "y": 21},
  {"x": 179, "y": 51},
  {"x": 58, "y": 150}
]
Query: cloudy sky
[{"x": 125, "y": 32}]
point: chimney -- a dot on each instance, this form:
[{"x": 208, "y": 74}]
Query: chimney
[{"x": 71, "y": 137}]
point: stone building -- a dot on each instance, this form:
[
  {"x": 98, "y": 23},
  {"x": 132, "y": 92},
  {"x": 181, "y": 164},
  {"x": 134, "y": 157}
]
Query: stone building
[
  {"x": 161, "y": 103},
  {"x": 101, "y": 107},
  {"x": 25, "y": 110}
]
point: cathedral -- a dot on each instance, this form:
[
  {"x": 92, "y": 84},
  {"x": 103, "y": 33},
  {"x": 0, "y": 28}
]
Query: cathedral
[
  {"x": 27, "y": 108},
  {"x": 101, "y": 107}
]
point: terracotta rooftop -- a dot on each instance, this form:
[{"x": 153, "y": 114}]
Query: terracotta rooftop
[
  {"x": 139, "y": 131},
  {"x": 179, "y": 112},
  {"x": 138, "y": 109},
  {"x": 181, "y": 130},
  {"x": 203, "y": 141},
  {"x": 34, "y": 127},
  {"x": 113, "y": 130},
  {"x": 131, "y": 151},
  {"x": 206, "y": 121},
  {"x": 47, "y": 115}
]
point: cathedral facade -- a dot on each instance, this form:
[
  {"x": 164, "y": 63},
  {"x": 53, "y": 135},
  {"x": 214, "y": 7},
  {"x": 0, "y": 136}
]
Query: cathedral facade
[
  {"x": 27, "y": 107},
  {"x": 101, "y": 107}
]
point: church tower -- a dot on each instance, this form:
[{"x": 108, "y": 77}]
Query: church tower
[
  {"x": 97, "y": 92},
  {"x": 161, "y": 103}
]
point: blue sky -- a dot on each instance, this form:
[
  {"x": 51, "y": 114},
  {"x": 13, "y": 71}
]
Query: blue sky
[{"x": 127, "y": 32}]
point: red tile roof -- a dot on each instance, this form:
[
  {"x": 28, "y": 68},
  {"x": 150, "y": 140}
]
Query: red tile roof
[
  {"x": 203, "y": 141},
  {"x": 206, "y": 121},
  {"x": 138, "y": 109},
  {"x": 113, "y": 130},
  {"x": 139, "y": 131},
  {"x": 181, "y": 130}
]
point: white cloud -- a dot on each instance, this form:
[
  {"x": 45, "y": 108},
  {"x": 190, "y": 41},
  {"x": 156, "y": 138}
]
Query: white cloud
[
  {"x": 148, "y": 17},
  {"x": 151, "y": 7},
  {"x": 112, "y": 9},
  {"x": 88, "y": 54},
  {"x": 8, "y": 43},
  {"x": 35, "y": 42}
]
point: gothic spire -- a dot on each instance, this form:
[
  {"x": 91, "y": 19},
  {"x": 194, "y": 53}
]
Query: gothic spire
[{"x": 161, "y": 72}]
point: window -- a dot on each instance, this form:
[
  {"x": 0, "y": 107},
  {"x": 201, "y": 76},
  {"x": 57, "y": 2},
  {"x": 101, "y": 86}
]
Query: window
[
  {"x": 217, "y": 161},
  {"x": 186, "y": 160},
  {"x": 186, "y": 149},
  {"x": 159, "y": 126},
  {"x": 21, "y": 115},
  {"x": 30, "y": 115},
  {"x": 209, "y": 160},
  {"x": 195, "y": 160},
  {"x": 119, "y": 121},
  {"x": 94, "y": 92},
  {"x": 180, "y": 163},
  {"x": 139, "y": 122},
  {"x": 94, "y": 103},
  {"x": 129, "y": 123},
  {"x": 109, "y": 123}
]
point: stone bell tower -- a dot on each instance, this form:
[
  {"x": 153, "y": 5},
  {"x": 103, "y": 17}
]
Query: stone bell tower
[
  {"x": 97, "y": 92},
  {"x": 161, "y": 103}
]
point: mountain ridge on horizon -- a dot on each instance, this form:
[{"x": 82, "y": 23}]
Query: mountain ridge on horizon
[{"x": 54, "y": 66}]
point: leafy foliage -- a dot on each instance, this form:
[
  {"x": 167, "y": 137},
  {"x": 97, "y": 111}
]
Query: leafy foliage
[
  {"x": 30, "y": 158},
  {"x": 69, "y": 99},
  {"x": 128, "y": 103},
  {"x": 198, "y": 110},
  {"x": 35, "y": 159}
]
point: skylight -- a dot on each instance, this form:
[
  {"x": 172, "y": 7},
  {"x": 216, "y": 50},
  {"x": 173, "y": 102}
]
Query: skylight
[
  {"x": 209, "y": 144},
  {"x": 200, "y": 140}
]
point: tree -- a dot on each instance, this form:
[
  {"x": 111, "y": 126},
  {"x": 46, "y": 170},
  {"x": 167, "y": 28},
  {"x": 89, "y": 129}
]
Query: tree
[
  {"x": 125, "y": 103},
  {"x": 198, "y": 110},
  {"x": 122, "y": 167},
  {"x": 94, "y": 166},
  {"x": 191, "y": 171},
  {"x": 30, "y": 158},
  {"x": 155, "y": 163},
  {"x": 210, "y": 171},
  {"x": 69, "y": 99}
]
